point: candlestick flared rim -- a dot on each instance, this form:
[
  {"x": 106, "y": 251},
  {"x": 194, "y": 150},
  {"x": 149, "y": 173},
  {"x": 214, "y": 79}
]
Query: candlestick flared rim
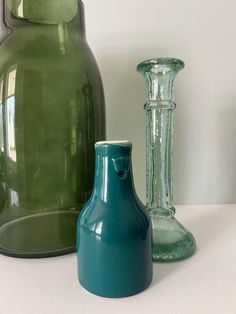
[{"x": 160, "y": 65}]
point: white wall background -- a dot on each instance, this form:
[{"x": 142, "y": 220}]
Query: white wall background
[{"x": 201, "y": 33}]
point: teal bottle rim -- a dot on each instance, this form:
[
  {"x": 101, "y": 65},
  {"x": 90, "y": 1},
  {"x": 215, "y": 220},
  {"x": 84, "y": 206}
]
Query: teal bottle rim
[
  {"x": 171, "y": 63},
  {"x": 116, "y": 143}
]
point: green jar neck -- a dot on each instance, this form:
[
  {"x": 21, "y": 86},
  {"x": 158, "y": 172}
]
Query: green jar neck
[{"x": 69, "y": 13}]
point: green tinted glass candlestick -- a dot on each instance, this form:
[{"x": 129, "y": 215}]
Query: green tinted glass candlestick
[{"x": 171, "y": 241}]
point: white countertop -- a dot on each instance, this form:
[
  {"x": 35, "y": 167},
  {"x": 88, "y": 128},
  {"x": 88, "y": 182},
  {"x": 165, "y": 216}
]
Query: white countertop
[{"x": 204, "y": 283}]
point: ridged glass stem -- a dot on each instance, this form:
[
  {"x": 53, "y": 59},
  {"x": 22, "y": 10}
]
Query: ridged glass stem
[
  {"x": 159, "y": 109},
  {"x": 159, "y": 155},
  {"x": 170, "y": 240}
]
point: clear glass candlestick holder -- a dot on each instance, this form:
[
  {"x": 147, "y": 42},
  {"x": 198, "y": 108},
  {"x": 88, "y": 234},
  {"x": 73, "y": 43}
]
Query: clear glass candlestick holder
[{"x": 171, "y": 241}]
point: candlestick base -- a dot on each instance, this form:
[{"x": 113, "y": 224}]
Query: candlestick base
[{"x": 171, "y": 241}]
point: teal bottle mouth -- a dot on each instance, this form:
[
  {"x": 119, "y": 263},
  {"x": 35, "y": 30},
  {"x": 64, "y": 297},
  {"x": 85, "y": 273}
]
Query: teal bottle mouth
[
  {"x": 117, "y": 143},
  {"x": 114, "y": 148}
]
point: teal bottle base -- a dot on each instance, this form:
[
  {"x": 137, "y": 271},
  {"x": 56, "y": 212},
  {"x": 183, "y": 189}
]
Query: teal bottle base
[
  {"x": 171, "y": 241},
  {"x": 117, "y": 267},
  {"x": 26, "y": 238},
  {"x": 122, "y": 294}
]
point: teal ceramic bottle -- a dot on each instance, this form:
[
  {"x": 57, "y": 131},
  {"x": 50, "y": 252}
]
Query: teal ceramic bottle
[{"x": 114, "y": 230}]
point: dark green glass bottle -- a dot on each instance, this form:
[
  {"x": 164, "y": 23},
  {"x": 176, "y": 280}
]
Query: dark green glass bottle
[{"x": 51, "y": 114}]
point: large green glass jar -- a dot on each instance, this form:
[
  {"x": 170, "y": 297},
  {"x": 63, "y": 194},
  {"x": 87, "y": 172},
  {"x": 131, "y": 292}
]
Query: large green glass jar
[{"x": 51, "y": 114}]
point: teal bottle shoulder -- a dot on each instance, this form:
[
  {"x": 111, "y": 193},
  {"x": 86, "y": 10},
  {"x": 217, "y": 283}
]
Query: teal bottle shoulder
[{"x": 97, "y": 215}]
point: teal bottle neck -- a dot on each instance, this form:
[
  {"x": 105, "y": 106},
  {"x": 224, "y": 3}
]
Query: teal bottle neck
[
  {"x": 54, "y": 14},
  {"x": 113, "y": 175}
]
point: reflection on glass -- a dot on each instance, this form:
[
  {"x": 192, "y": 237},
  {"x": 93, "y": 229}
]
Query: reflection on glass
[
  {"x": 99, "y": 228},
  {"x": 10, "y": 115},
  {"x": 62, "y": 34},
  {"x": 105, "y": 178},
  {"x": 20, "y": 9},
  {"x": 11, "y": 83},
  {"x": 3, "y": 195},
  {"x": 1, "y": 117},
  {"x": 1, "y": 89},
  {"x": 10, "y": 128},
  {"x": 14, "y": 199}
]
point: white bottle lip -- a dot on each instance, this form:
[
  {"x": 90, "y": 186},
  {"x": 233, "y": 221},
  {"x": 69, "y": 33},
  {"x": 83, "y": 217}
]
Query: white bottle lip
[{"x": 117, "y": 142}]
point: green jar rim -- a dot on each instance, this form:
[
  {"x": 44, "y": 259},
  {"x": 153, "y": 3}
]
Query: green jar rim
[{"x": 171, "y": 63}]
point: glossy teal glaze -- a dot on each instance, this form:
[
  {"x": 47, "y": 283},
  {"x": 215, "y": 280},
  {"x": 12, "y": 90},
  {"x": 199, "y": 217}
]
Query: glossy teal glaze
[{"x": 114, "y": 230}]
